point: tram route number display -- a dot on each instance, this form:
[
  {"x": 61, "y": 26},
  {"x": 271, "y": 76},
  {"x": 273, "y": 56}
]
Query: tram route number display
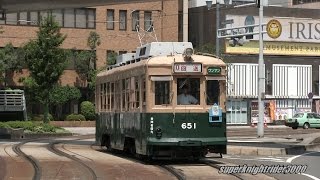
[
  {"x": 182, "y": 67},
  {"x": 189, "y": 125}
]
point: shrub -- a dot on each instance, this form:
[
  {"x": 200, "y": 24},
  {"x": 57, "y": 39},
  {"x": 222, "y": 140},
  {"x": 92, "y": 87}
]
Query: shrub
[
  {"x": 4, "y": 125},
  {"x": 39, "y": 117},
  {"x": 34, "y": 127},
  {"x": 87, "y": 109},
  {"x": 27, "y": 125},
  {"x": 75, "y": 117}
]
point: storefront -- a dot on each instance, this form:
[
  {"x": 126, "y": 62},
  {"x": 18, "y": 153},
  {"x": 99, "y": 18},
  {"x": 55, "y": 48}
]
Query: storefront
[{"x": 237, "y": 111}]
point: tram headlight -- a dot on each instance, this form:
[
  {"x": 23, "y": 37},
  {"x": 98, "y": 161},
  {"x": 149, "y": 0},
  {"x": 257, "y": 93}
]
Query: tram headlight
[{"x": 158, "y": 132}]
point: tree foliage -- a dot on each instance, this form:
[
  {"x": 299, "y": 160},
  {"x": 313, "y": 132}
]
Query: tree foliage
[
  {"x": 11, "y": 60},
  {"x": 63, "y": 94},
  {"x": 85, "y": 62},
  {"x": 206, "y": 48},
  {"x": 112, "y": 58},
  {"x": 45, "y": 59},
  {"x": 87, "y": 109}
]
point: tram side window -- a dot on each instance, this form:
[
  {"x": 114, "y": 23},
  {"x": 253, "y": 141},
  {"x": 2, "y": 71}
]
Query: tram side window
[
  {"x": 162, "y": 92},
  {"x": 143, "y": 89},
  {"x": 108, "y": 96},
  {"x": 188, "y": 91},
  {"x": 213, "y": 92},
  {"x": 103, "y": 96},
  {"x": 117, "y": 96},
  {"x": 123, "y": 96},
  {"x": 112, "y": 96},
  {"x": 137, "y": 92}
]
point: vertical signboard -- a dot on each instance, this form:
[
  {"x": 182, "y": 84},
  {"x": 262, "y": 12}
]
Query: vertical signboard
[{"x": 268, "y": 115}]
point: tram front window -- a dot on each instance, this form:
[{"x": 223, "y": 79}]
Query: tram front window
[
  {"x": 162, "y": 92},
  {"x": 188, "y": 91},
  {"x": 213, "y": 92}
]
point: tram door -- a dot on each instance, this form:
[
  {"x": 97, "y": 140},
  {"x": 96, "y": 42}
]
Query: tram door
[{"x": 237, "y": 112}]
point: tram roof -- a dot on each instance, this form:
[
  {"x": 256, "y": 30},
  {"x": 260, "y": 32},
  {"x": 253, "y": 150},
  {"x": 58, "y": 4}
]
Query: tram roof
[{"x": 164, "y": 61}]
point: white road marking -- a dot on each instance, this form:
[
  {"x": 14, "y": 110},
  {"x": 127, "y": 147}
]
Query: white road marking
[
  {"x": 289, "y": 160},
  {"x": 310, "y": 176},
  {"x": 244, "y": 141}
]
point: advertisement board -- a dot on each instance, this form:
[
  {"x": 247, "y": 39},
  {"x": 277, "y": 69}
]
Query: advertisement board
[{"x": 268, "y": 111}]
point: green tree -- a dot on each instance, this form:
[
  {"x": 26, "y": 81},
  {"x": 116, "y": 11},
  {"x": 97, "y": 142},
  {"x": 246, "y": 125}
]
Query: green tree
[
  {"x": 206, "y": 48},
  {"x": 112, "y": 58},
  {"x": 46, "y": 61},
  {"x": 10, "y": 62},
  {"x": 61, "y": 95},
  {"x": 86, "y": 63}
]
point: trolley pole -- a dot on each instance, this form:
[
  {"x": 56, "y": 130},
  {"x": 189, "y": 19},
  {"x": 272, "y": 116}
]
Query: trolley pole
[{"x": 260, "y": 126}]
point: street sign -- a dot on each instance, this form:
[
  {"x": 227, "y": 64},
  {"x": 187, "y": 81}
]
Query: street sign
[{"x": 228, "y": 21}]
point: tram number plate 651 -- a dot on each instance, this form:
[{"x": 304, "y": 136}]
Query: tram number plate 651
[{"x": 189, "y": 125}]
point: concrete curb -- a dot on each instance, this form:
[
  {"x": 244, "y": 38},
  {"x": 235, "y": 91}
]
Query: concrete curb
[{"x": 263, "y": 151}]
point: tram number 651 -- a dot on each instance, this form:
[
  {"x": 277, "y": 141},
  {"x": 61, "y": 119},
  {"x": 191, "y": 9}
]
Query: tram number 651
[{"x": 188, "y": 125}]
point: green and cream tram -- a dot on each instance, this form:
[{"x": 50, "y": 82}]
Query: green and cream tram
[{"x": 163, "y": 102}]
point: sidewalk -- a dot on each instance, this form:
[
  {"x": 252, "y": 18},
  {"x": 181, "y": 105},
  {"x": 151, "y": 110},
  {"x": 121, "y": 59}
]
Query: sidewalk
[{"x": 269, "y": 146}]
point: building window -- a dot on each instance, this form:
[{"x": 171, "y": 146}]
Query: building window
[
  {"x": 23, "y": 18},
  {"x": 135, "y": 20},
  {"x": 34, "y": 18},
  {"x": 81, "y": 19},
  {"x": 110, "y": 19},
  {"x": 69, "y": 18},
  {"x": 12, "y": 19},
  {"x": 122, "y": 52},
  {"x": 58, "y": 16},
  {"x": 91, "y": 18},
  {"x": 122, "y": 20},
  {"x": 43, "y": 14},
  {"x": 148, "y": 25}
]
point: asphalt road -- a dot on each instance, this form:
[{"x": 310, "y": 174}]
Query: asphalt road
[{"x": 311, "y": 159}]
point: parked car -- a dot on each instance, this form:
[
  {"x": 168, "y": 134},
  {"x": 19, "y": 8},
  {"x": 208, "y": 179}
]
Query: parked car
[{"x": 304, "y": 120}]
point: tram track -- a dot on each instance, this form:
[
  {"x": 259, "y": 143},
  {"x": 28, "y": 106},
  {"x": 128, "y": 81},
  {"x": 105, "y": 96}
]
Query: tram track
[
  {"x": 52, "y": 148},
  {"x": 173, "y": 171},
  {"x": 35, "y": 163},
  {"x": 216, "y": 166}
]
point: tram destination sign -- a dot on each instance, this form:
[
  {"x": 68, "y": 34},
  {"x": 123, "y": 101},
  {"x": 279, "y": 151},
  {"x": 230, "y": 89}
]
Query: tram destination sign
[
  {"x": 214, "y": 70},
  {"x": 187, "y": 68}
]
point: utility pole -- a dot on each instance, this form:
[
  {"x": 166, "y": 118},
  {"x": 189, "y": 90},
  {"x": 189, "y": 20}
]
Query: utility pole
[
  {"x": 217, "y": 27},
  {"x": 185, "y": 20},
  {"x": 261, "y": 84}
]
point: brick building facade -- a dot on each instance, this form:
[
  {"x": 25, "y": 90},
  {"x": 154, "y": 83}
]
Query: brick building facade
[
  {"x": 77, "y": 24},
  {"x": 116, "y": 25}
]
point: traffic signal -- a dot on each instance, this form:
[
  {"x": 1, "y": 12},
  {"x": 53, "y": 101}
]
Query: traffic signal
[{"x": 258, "y": 3}]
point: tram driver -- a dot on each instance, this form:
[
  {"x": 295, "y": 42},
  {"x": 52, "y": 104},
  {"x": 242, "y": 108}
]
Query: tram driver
[{"x": 185, "y": 98}]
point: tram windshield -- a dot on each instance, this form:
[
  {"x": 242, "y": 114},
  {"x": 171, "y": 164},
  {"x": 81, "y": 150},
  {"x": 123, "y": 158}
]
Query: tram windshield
[
  {"x": 188, "y": 91},
  {"x": 212, "y": 92}
]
